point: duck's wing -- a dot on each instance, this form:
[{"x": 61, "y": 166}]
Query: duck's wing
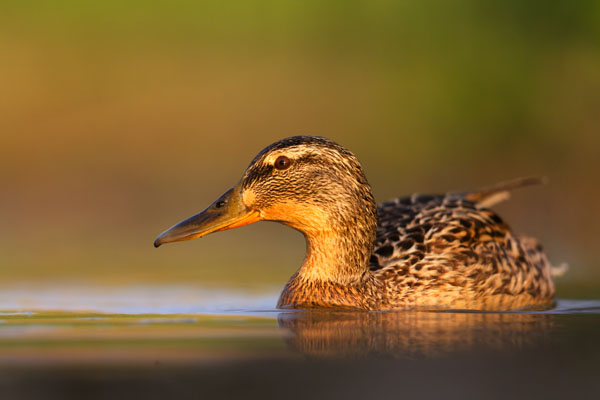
[
  {"x": 409, "y": 218},
  {"x": 405, "y": 225},
  {"x": 454, "y": 241}
]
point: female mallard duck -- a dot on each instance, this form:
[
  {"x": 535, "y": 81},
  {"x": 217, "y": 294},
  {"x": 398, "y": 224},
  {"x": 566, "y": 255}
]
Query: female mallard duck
[{"x": 419, "y": 252}]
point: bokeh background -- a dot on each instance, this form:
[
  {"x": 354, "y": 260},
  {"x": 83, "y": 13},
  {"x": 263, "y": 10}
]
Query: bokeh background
[{"x": 118, "y": 119}]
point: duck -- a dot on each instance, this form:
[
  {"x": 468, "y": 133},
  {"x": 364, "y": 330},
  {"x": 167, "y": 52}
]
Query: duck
[{"x": 421, "y": 252}]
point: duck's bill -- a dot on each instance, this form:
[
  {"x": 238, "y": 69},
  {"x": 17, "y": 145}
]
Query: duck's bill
[{"x": 227, "y": 212}]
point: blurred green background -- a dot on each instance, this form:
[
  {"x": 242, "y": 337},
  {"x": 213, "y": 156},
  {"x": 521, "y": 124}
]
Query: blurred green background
[{"x": 118, "y": 119}]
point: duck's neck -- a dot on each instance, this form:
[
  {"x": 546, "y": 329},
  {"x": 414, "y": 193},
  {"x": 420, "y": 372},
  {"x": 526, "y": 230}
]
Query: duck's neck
[
  {"x": 338, "y": 251},
  {"x": 336, "y": 257},
  {"x": 335, "y": 272}
]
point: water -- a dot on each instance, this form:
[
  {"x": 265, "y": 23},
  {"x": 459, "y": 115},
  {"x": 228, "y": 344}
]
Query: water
[{"x": 158, "y": 341}]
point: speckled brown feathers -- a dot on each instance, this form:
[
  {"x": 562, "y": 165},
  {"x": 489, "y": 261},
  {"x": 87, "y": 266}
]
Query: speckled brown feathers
[
  {"x": 438, "y": 252},
  {"x": 446, "y": 252},
  {"x": 430, "y": 252}
]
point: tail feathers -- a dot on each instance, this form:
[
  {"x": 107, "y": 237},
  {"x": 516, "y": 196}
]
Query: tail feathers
[
  {"x": 489, "y": 196},
  {"x": 559, "y": 270}
]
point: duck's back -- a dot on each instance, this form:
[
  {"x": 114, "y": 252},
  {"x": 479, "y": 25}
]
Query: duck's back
[{"x": 448, "y": 251}]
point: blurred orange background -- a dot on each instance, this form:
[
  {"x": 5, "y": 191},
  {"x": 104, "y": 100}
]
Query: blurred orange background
[{"x": 118, "y": 119}]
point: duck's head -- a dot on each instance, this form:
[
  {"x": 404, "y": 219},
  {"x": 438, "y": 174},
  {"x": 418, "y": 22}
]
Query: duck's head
[{"x": 309, "y": 183}]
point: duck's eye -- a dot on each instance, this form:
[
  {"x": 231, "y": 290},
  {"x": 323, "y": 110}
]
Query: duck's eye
[{"x": 282, "y": 162}]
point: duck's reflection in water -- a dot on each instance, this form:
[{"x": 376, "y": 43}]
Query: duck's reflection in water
[{"x": 412, "y": 334}]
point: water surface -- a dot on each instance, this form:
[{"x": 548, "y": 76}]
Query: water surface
[{"x": 160, "y": 340}]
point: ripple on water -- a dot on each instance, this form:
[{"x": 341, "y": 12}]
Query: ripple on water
[
  {"x": 134, "y": 300},
  {"x": 176, "y": 300}
]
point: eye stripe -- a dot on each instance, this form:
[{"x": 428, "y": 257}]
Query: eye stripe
[{"x": 257, "y": 174}]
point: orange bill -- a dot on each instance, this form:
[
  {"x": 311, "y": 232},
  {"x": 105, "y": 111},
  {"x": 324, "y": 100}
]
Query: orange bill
[{"x": 227, "y": 212}]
